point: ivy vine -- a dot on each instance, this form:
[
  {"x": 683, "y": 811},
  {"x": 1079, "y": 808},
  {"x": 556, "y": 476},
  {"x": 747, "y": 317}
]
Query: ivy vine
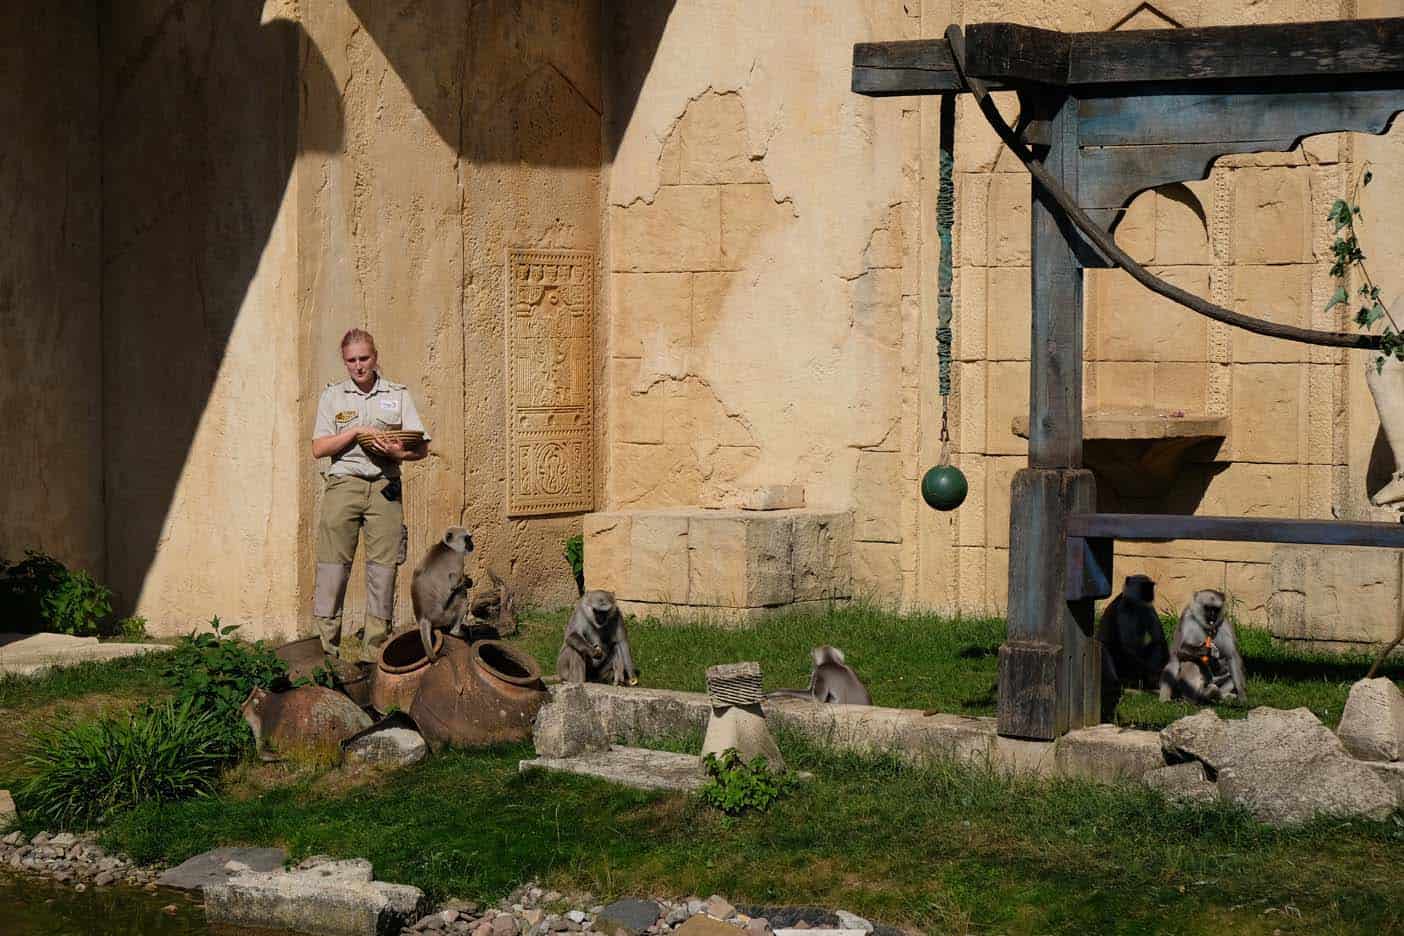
[{"x": 1348, "y": 255}]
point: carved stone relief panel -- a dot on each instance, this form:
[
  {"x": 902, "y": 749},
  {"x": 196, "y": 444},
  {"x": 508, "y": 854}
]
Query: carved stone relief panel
[{"x": 549, "y": 329}]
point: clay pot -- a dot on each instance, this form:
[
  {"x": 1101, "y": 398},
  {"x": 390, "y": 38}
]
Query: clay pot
[
  {"x": 308, "y": 717},
  {"x": 302, "y": 657},
  {"x": 398, "y": 673},
  {"x": 478, "y": 694}
]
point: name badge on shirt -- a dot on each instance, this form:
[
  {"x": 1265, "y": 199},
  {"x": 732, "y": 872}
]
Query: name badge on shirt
[{"x": 389, "y": 403}]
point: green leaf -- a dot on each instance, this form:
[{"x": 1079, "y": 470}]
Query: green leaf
[{"x": 1339, "y": 297}]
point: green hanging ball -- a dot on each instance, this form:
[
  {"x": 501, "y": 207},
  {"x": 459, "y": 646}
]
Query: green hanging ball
[{"x": 944, "y": 487}]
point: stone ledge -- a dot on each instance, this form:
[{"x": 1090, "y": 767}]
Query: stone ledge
[
  {"x": 1104, "y": 753},
  {"x": 640, "y": 768},
  {"x": 724, "y": 617}
]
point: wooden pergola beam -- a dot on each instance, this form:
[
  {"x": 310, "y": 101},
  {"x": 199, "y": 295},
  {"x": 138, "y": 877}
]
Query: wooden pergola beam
[{"x": 1005, "y": 54}]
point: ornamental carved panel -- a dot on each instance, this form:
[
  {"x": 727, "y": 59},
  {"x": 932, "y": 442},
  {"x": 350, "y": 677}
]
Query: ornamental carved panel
[{"x": 550, "y": 400}]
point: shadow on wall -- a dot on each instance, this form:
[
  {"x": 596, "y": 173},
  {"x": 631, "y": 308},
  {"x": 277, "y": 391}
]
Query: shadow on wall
[
  {"x": 199, "y": 106},
  {"x": 201, "y": 128}
]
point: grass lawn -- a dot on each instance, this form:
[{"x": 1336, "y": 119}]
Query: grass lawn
[
  {"x": 940, "y": 848},
  {"x": 930, "y": 662}
]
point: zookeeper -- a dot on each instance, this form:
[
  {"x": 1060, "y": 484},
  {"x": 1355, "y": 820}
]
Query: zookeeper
[{"x": 362, "y": 491}]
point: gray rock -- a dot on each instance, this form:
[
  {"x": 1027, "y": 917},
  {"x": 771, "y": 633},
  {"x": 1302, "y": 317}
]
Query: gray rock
[
  {"x": 64, "y": 840},
  {"x": 568, "y": 725},
  {"x": 504, "y": 925},
  {"x": 852, "y": 921},
  {"x": 1182, "y": 783},
  {"x": 719, "y": 908},
  {"x": 1372, "y": 725},
  {"x": 15, "y": 838},
  {"x": 1283, "y": 766},
  {"x": 9, "y": 815},
  {"x": 632, "y": 916},
  {"x": 336, "y": 898},
  {"x": 213, "y": 866},
  {"x": 1392, "y": 775},
  {"x": 398, "y": 747},
  {"x": 575, "y": 916}
]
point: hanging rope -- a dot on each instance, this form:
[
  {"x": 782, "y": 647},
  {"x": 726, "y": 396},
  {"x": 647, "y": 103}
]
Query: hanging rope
[
  {"x": 1103, "y": 241},
  {"x": 945, "y": 221}
]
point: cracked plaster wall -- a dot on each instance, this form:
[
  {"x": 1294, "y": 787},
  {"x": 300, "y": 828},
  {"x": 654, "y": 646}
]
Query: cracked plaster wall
[{"x": 762, "y": 274}]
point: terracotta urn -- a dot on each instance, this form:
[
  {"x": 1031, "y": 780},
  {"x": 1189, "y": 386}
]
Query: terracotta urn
[{"x": 478, "y": 694}]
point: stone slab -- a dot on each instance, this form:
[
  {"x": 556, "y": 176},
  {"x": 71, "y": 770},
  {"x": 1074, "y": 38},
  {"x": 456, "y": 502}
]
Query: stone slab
[
  {"x": 1104, "y": 753},
  {"x": 338, "y": 898},
  {"x": 213, "y": 866},
  {"x": 631, "y": 915},
  {"x": 634, "y": 767},
  {"x": 31, "y": 654}
]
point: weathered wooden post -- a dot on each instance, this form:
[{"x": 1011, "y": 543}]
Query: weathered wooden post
[{"x": 1050, "y": 663}]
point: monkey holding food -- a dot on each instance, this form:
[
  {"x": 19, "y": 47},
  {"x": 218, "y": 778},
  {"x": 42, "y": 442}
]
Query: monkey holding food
[
  {"x": 439, "y": 588},
  {"x": 1205, "y": 665},
  {"x": 596, "y": 646},
  {"x": 831, "y": 679}
]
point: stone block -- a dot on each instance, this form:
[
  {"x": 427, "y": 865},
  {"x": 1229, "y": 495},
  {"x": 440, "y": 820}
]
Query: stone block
[
  {"x": 658, "y": 557},
  {"x": 1181, "y": 235},
  {"x": 1244, "y": 489},
  {"x": 219, "y": 864},
  {"x": 636, "y": 410},
  {"x": 1271, "y": 222},
  {"x": 338, "y": 898},
  {"x": 886, "y": 243},
  {"x": 739, "y": 561},
  {"x": 748, "y": 213},
  {"x": 973, "y": 214},
  {"x": 1134, "y": 324},
  {"x": 679, "y": 232},
  {"x": 714, "y": 147},
  {"x": 878, "y": 497},
  {"x": 1135, "y": 232},
  {"x": 971, "y": 569},
  {"x": 773, "y": 497},
  {"x": 977, "y": 147},
  {"x": 969, "y": 404},
  {"x": 1009, "y": 314},
  {"x": 997, "y": 581},
  {"x": 1372, "y": 725},
  {"x": 970, "y": 314},
  {"x": 877, "y": 570},
  {"x": 1000, "y": 480},
  {"x": 1279, "y": 294},
  {"x": 1248, "y": 585},
  {"x": 1019, "y": 757},
  {"x": 822, "y": 556},
  {"x": 1108, "y": 753},
  {"x": 1339, "y": 594},
  {"x": 1267, "y": 414},
  {"x": 971, "y": 519},
  {"x": 568, "y": 725},
  {"x": 641, "y": 768},
  {"x": 1010, "y": 231},
  {"x": 651, "y": 318},
  {"x": 1182, "y": 783},
  {"x": 710, "y": 292},
  {"x": 1007, "y": 396},
  {"x": 1181, "y": 386},
  {"x": 608, "y": 548},
  {"x": 1123, "y": 385}
]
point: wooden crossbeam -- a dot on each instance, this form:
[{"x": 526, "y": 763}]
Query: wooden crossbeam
[
  {"x": 1235, "y": 529},
  {"x": 1006, "y": 54}
]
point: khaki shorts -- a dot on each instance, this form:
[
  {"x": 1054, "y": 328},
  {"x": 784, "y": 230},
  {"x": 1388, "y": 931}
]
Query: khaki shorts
[{"x": 350, "y": 503}]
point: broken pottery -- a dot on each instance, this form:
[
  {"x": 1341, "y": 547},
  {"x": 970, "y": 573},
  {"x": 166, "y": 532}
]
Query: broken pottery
[{"x": 473, "y": 695}]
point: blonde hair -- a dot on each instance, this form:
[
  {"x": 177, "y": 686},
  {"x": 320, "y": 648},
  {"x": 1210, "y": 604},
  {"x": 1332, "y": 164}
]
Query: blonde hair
[{"x": 355, "y": 335}]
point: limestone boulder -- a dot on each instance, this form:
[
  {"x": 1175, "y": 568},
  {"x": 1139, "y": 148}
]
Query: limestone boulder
[
  {"x": 333, "y": 898},
  {"x": 1283, "y": 766},
  {"x": 9, "y": 815},
  {"x": 1372, "y": 725},
  {"x": 1182, "y": 783},
  {"x": 569, "y": 725},
  {"x": 393, "y": 747}
]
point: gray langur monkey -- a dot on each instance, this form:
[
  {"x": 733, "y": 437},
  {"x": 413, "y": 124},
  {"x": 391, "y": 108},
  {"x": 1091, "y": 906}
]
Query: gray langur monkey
[
  {"x": 1205, "y": 664},
  {"x": 439, "y": 588},
  {"x": 596, "y": 646},
  {"x": 1134, "y": 652},
  {"x": 830, "y": 680}
]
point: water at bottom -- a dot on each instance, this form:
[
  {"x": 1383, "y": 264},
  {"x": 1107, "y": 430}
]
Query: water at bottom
[{"x": 36, "y": 907}]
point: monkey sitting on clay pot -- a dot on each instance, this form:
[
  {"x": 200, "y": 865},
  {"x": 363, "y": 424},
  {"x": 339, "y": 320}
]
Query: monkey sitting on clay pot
[{"x": 596, "y": 646}]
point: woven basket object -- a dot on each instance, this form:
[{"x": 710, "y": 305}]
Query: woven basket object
[
  {"x": 371, "y": 436},
  {"x": 734, "y": 684}
]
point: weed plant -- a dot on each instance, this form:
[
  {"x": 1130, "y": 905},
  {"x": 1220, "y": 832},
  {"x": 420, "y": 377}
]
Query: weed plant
[
  {"x": 82, "y": 774},
  {"x": 39, "y": 593},
  {"x": 214, "y": 672},
  {"x": 737, "y": 787}
]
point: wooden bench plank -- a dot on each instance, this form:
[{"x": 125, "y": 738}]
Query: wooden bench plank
[{"x": 1236, "y": 529}]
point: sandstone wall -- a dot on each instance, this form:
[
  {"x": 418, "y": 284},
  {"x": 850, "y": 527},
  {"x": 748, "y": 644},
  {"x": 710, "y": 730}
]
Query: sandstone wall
[
  {"x": 202, "y": 438},
  {"x": 50, "y": 383}
]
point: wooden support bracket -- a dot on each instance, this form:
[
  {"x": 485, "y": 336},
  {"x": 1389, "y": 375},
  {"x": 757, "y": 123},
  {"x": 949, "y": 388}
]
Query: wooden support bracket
[{"x": 1089, "y": 567}]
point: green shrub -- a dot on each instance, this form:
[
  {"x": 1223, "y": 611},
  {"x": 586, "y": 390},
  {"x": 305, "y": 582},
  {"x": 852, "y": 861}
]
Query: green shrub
[
  {"x": 215, "y": 673},
  {"x": 131, "y": 628},
  {"x": 23, "y": 587},
  {"x": 737, "y": 787},
  {"x": 39, "y": 593},
  {"x": 78, "y": 606},
  {"x": 575, "y": 555},
  {"x": 86, "y": 772}
]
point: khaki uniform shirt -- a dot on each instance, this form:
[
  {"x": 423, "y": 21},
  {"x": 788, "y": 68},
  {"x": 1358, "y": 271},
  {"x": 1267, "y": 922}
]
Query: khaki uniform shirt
[{"x": 388, "y": 405}]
